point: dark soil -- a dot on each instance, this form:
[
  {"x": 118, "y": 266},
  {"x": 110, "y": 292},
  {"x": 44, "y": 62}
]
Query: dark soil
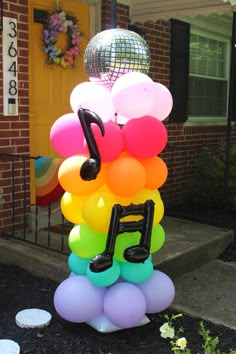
[{"x": 20, "y": 290}]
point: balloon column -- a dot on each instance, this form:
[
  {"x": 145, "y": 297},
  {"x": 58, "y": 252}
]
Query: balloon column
[{"x": 111, "y": 176}]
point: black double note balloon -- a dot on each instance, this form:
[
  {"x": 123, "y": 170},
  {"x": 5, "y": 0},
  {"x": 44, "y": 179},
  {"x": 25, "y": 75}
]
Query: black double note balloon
[
  {"x": 92, "y": 166},
  {"x": 135, "y": 254}
]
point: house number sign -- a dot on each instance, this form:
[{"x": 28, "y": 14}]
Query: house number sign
[{"x": 10, "y": 67}]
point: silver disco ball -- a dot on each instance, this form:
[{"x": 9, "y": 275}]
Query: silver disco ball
[{"x": 113, "y": 53}]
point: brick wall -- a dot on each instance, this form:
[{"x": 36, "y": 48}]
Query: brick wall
[
  {"x": 122, "y": 17},
  {"x": 14, "y": 130},
  {"x": 184, "y": 143}
]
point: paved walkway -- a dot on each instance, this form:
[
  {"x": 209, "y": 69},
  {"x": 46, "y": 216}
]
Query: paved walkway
[{"x": 209, "y": 293}]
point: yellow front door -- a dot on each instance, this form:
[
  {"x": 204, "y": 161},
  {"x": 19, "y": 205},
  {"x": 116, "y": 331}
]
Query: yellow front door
[{"x": 50, "y": 86}]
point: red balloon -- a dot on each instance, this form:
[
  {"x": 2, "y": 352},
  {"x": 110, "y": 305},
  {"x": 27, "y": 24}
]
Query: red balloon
[
  {"x": 111, "y": 144},
  {"x": 144, "y": 137}
]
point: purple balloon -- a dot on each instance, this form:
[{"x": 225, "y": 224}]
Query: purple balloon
[
  {"x": 124, "y": 305},
  {"x": 159, "y": 292},
  {"x": 77, "y": 300}
]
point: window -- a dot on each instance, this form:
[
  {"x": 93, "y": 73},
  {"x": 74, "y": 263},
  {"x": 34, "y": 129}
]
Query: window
[
  {"x": 208, "y": 77},
  {"x": 200, "y": 58}
]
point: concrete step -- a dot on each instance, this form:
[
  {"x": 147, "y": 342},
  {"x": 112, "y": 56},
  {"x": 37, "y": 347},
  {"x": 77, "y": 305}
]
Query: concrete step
[
  {"x": 209, "y": 293},
  {"x": 189, "y": 245},
  {"x": 38, "y": 217}
]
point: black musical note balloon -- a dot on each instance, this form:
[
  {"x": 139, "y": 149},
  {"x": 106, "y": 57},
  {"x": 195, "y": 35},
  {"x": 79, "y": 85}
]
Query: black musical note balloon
[
  {"x": 135, "y": 254},
  {"x": 92, "y": 166}
]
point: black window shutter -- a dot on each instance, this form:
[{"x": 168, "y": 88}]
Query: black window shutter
[
  {"x": 179, "y": 69},
  {"x": 232, "y": 93}
]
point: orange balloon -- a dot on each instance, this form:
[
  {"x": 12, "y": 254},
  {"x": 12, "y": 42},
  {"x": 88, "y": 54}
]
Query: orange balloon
[
  {"x": 70, "y": 180},
  {"x": 156, "y": 172},
  {"x": 126, "y": 176}
]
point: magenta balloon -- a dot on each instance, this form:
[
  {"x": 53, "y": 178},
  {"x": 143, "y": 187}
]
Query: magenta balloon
[
  {"x": 159, "y": 292},
  {"x": 124, "y": 305},
  {"x": 133, "y": 95},
  {"x": 163, "y": 103},
  {"x": 144, "y": 137},
  {"x": 93, "y": 97},
  {"x": 66, "y": 135},
  {"x": 111, "y": 144},
  {"x": 77, "y": 300}
]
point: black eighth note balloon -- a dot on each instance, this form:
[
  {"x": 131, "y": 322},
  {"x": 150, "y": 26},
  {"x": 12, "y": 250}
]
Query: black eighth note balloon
[
  {"x": 92, "y": 166},
  {"x": 137, "y": 253}
]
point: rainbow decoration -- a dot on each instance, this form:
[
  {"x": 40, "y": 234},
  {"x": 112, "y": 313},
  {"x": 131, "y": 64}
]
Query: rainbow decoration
[{"x": 48, "y": 188}]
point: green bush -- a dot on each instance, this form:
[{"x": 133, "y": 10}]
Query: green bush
[{"x": 208, "y": 186}]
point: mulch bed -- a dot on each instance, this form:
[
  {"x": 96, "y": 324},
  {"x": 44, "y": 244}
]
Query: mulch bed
[{"x": 20, "y": 290}]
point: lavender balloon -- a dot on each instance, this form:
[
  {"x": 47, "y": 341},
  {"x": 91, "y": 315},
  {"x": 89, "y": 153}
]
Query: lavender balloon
[
  {"x": 124, "y": 305},
  {"x": 77, "y": 300},
  {"x": 159, "y": 292}
]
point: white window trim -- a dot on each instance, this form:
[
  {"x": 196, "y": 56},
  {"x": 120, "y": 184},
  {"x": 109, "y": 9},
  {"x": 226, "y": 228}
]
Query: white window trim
[{"x": 226, "y": 38}]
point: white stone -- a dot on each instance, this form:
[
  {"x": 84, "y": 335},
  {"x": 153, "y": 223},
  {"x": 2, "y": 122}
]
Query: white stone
[
  {"x": 8, "y": 346},
  {"x": 33, "y": 318},
  {"x": 102, "y": 324}
]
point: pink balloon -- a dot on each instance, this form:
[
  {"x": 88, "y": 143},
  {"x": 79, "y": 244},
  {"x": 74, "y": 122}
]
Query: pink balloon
[
  {"x": 144, "y": 137},
  {"x": 67, "y": 136},
  {"x": 163, "y": 103},
  {"x": 111, "y": 144},
  {"x": 133, "y": 95},
  {"x": 159, "y": 292},
  {"x": 77, "y": 300},
  {"x": 124, "y": 305},
  {"x": 94, "y": 97}
]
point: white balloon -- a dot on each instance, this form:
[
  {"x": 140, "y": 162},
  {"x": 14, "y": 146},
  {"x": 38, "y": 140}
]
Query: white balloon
[
  {"x": 163, "y": 102},
  {"x": 94, "y": 97},
  {"x": 133, "y": 95}
]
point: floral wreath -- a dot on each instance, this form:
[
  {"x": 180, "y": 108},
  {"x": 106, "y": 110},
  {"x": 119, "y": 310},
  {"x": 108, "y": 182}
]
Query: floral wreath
[{"x": 59, "y": 22}]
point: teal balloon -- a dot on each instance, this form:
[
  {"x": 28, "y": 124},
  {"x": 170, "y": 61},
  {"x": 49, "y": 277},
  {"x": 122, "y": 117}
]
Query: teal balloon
[
  {"x": 78, "y": 265},
  {"x": 106, "y": 278},
  {"x": 136, "y": 272}
]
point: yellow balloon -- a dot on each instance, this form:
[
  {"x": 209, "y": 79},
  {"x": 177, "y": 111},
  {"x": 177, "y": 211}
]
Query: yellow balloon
[
  {"x": 97, "y": 210},
  {"x": 71, "y": 207},
  {"x": 146, "y": 194},
  {"x": 141, "y": 198}
]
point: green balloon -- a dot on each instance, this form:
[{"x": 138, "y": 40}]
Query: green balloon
[
  {"x": 85, "y": 242},
  {"x": 158, "y": 238},
  {"x": 123, "y": 241}
]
